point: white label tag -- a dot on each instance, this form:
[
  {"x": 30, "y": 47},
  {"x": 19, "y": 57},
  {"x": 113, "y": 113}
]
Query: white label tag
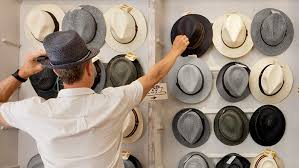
[
  {"x": 186, "y": 13},
  {"x": 230, "y": 160},
  {"x": 158, "y": 92},
  {"x": 132, "y": 57}
]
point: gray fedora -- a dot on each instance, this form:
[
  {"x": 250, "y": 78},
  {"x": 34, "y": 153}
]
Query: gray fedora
[
  {"x": 100, "y": 77},
  {"x": 191, "y": 127},
  {"x": 89, "y": 22},
  {"x": 190, "y": 80},
  {"x": 272, "y": 31},
  {"x": 231, "y": 125},
  {"x": 122, "y": 71},
  {"x": 35, "y": 162},
  {"x": 196, "y": 159},
  {"x": 233, "y": 81},
  {"x": 65, "y": 49}
]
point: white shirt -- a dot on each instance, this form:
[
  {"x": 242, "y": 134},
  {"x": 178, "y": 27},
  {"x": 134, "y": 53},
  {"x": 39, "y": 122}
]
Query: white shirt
[{"x": 79, "y": 129}]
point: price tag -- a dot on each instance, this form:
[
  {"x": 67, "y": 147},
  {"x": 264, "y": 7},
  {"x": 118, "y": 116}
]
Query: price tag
[
  {"x": 158, "y": 92},
  {"x": 130, "y": 56}
]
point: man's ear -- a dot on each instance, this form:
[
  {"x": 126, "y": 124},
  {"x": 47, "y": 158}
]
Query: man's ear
[{"x": 89, "y": 68}]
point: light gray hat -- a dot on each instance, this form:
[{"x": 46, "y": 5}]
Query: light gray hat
[
  {"x": 191, "y": 127},
  {"x": 190, "y": 80},
  {"x": 196, "y": 160},
  {"x": 272, "y": 31},
  {"x": 233, "y": 81},
  {"x": 35, "y": 162},
  {"x": 89, "y": 22}
]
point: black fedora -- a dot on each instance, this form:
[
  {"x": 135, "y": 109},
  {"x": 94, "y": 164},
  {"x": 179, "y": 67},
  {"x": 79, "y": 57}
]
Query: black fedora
[
  {"x": 199, "y": 31},
  {"x": 65, "y": 49},
  {"x": 46, "y": 83},
  {"x": 233, "y": 160},
  {"x": 100, "y": 77},
  {"x": 267, "y": 125}
]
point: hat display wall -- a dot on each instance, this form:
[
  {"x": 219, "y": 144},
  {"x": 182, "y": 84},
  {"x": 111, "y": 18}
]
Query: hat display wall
[
  {"x": 133, "y": 127},
  {"x": 267, "y": 125},
  {"x": 233, "y": 160},
  {"x": 89, "y": 22},
  {"x": 231, "y": 35},
  {"x": 190, "y": 80},
  {"x": 122, "y": 71},
  {"x": 270, "y": 81},
  {"x": 191, "y": 127},
  {"x": 196, "y": 159},
  {"x": 231, "y": 125},
  {"x": 41, "y": 21},
  {"x": 46, "y": 83},
  {"x": 267, "y": 159},
  {"x": 272, "y": 31},
  {"x": 100, "y": 75},
  {"x": 35, "y": 162},
  {"x": 233, "y": 82},
  {"x": 199, "y": 31},
  {"x": 126, "y": 28},
  {"x": 130, "y": 161}
]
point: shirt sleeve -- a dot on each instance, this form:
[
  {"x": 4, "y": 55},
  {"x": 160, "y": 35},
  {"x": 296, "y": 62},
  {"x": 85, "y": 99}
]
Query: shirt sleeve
[{"x": 133, "y": 93}]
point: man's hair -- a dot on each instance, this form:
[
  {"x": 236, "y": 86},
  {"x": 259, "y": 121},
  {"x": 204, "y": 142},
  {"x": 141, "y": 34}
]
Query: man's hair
[{"x": 71, "y": 75}]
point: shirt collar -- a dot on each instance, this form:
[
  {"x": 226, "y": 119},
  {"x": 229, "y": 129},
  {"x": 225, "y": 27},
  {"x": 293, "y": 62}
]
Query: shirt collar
[{"x": 75, "y": 92}]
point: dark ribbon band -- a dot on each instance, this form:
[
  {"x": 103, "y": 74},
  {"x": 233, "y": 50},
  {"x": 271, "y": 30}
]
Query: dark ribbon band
[
  {"x": 136, "y": 124},
  {"x": 239, "y": 45}
]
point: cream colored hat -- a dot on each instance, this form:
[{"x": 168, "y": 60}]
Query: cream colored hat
[
  {"x": 231, "y": 35},
  {"x": 126, "y": 28},
  {"x": 270, "y": 81},
  {"x": 267, "y": 159},
  {"x": 133, "y": 127},
  {"x": 41, "y": 21}
]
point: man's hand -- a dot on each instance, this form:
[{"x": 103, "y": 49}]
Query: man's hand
[
  {"x": 180, "y": 44},
  {"x": 31, "y": 66}
]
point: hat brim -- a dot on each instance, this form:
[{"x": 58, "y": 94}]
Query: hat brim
[
  {"x": 53, "y": 9},
  {"x": 207, "y": 40},
  {"x": 220, "y": 86},
  {"x": 139, "y": 131},
  {"x": 189, "y": 155},
  {"x": 206, "y": 130},
  {"x": 256, "y": 159},
  {"x": 222, "y": 163},
  {"x": 134, "y": 160},
  {"x": 35, "y": 162},
  {"x": 207, "y": 75},
  {"x": 222, "y": 47},
  {"x": 245, "y": 121},
  {"x": 257, "y": 37},
  {"x": 140, "y": 35},
  {"x": 98, "y": 87},
  {"x": 257, "y": 69}
]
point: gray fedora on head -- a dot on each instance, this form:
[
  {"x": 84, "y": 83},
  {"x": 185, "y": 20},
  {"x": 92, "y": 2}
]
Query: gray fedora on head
[
  {"x": 89, "y": 22},
  {"x": 65, "y": 49},
  {"x": 190, "y": 80},
  {"x": 272, "y": 31},
  {"x": 35, "y": 162},
  {"x": 196, "y": 160},
  {"x": 122, "y": 71},
  {"x": 191, "y": 127},
  {"x": 233, "y": 81},
  {"x": 231, "y": 125}
]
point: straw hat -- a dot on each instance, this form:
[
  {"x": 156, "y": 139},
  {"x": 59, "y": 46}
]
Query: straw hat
[{"x": 133, "y": 127}]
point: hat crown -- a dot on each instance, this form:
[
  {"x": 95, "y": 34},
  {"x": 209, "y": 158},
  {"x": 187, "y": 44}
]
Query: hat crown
[
  {"x": 267, "y": 162},
  {"x": 190, "y": 79},
  {"x": 40, "y": 24},
  {"x": 190, "y": 126},
  {"x": 196, "y": 161},
  {"x": 234, "y": 31},
  {"x": 231, "y": 125},
  {"x": 274, "y": 28},
  {"x": 272, "y": 79},
  {"x": 123, "y": 72},
  {"x": 129, "y": 124},
  {"x": 236, "y": 80},
  {"x": 123, "y": 26}
]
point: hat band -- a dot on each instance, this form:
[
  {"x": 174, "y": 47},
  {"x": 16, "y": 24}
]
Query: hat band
[
  {"x": 136, "y": 124},
  {"x": 86, "y": 55},
  {"x": 239, "y": 45},
  {"x": 260, "y": 83}
]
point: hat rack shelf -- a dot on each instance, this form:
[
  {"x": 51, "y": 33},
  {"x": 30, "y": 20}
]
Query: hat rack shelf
[{"x": 10, "y": 42}]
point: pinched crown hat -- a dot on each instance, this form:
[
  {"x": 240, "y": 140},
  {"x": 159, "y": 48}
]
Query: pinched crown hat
[
  {"x": 133, "y": 126},
  {"x": 233, "y": 160},
  {"x": 267, "y": 159},
  {"x": 196, "y": 160}
]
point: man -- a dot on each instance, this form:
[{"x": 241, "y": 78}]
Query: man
[{"x": 78, "y": 129}]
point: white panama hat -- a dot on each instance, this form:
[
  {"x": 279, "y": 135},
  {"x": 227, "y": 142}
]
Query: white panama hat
[
  {"x": 267, "y": 159},
  {"x": 133, "y": 127}
]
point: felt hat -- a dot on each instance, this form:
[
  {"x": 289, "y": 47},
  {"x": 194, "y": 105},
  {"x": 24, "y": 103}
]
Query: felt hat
[
  {"x": 196, "y": 159},
  {"x": 35, "y": 162},
  {"x": 133, "y": 127},
  {"x": 41, "y": 21},
  {"x": 231, "y": 125},
  {"x": 100, "y": 75},
  {"x": 231, "y": 35},
  {"x": 191, "y": 127},
  {"x": 270, "y": 81},
  {"x": 272, "y": 31},
  {"x": 267, "y": 125},
  {"x": 233, "y": 160},
  {"x": 267, "y": 159},
  {"x": 130, "y": 161},
  {"x": 65, "y": 49},
  {"x": 199, "y": 31},
  {"x": 190, "y": 80},
  {"x": 122, "y": 71},
  {"x": 233, "y": 81},
  {"x": 89, "y": 22},
  {"x": 126, "y": 28},
  {"x": 46, "y": 83}
]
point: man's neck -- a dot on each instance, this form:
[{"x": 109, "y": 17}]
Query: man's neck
[{"x": 76, "y": 85}]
